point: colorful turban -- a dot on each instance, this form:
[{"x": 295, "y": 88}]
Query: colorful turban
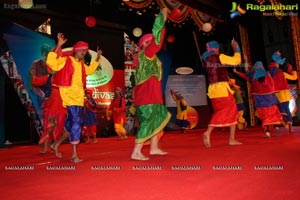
[
  {"x": 145, "y": 38},
  {"x": 89, "y": 91},
  {"x": 211, "y": 47},
  {"x": 80, "y": 45},
  {"x": 277, "y": 58},
  {"x": 259, "y": 70}
]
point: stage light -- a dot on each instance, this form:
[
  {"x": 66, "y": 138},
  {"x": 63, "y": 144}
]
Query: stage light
[
  {"x": 137, "y": 32},
  {"x": 206, "y": 27},
  {"x": 26, "y": 4},
  {"x": 90, "y": 21},
  {"x": 171, "y": 38},
  {"x": 175, "y": 14}
]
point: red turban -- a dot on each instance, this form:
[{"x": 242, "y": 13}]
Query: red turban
[
  {"x": 80, "y": 45},
  {"x": 145, "y": 38},
  {"x": 89, "y": 91}
]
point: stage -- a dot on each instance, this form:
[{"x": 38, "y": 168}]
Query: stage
[{"x": 258, "y": 169}]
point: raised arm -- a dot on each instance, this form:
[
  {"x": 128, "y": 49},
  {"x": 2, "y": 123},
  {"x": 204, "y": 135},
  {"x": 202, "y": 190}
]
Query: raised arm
[
  {"x": 232, "y": 60},
  {"x": 159, "y": 32}
]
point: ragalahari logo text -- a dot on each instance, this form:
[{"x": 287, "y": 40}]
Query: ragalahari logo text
[{"x": 236, "y": 10}]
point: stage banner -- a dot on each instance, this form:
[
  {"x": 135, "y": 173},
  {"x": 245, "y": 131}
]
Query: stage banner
[
  {"x": 193, "y": 89},
  {"x": 28, "y": 49}
]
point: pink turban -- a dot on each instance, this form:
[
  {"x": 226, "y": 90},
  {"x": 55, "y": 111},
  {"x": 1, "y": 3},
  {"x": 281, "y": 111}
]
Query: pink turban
[
  {"x": 145, "y": 38},
  {"x": 80, "y": 45}
]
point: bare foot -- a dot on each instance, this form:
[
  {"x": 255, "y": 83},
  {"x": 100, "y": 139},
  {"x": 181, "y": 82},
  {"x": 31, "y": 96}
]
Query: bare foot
[
  {"x": 76, "y": 160},
  {"x": 291, "y": 128},
  {"x": 158, "y": 152},
  {"x": 95, "y": 141},
  {"x": 139, "y": 156},
  {"x": 43, "y": 151},
  {"x": 42, "y": 139},
  {"x": 234, "y": 142},
  {"x": 54, "y": 147},
  {"x": 267, "y": 134},
  {"x": 206, "y": 140}
]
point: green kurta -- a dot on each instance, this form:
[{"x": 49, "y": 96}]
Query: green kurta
[{"x": 153, "y": 116}]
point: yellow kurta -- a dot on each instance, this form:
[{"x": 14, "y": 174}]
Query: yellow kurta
[
  {"x": 285, "y": 95},
  {"x": 72, "y": 95},
  {"x": 181, "y": 114},
  {"x": 221, "y": 89},
  {"x": 230, "y": 60}
]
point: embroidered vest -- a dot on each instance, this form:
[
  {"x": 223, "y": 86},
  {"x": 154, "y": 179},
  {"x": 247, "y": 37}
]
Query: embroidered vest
[{"x": 63, "y": 77}]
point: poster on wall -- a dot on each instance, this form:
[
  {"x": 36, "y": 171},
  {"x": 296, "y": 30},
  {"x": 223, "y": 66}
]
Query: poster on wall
[
  {"x": 130, "y": 52},
  {"x": 29, "y": 50},
  {"x": 193, "y": 89}
]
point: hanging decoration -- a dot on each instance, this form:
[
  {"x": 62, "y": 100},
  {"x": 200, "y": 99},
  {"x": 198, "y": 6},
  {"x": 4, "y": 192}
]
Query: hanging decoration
[
  {"x": 25, "y": 4},
  {"x": 175, "y": 13},
  {"x": 137, "y": 32},
  {"x": 171, "y": 38},
  {"x": 201, "y": 19},
  {"x": 90, "y": 21},
  {"x": 138, "y": 4},
  {"x": 178, "y": 12},
  {"x": 207, "y": 27}
]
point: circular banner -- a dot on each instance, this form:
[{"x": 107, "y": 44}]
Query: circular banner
[{"x": 103, "y": 73}]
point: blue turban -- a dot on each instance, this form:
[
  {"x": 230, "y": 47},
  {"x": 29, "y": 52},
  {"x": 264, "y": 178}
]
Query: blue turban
[
  {"x": 259, "y": 70},
  {"x": 277, "y": 58},
  {"x": 211, "y": 46}
]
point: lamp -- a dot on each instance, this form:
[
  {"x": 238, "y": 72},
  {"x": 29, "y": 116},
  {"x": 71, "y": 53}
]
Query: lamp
[
  {"x": 137, "y": 32},
  {"x": 26, "y": 4}
]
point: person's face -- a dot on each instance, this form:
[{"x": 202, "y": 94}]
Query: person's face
[
  {"x": 217, "y": 51},
  {"x": 146, "y": 44},
  {"x": 88, "y": 95},
  {"x": 80, "y": 54},
  {"x": 117, "y": 93}
]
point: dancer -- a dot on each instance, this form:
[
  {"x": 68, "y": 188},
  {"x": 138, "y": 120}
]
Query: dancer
[
  {"x": 181, "y": 117},
  {"x": 225, "y": 113},
  {"x": 90, "y": 122},
  {"x": 53, "y": 121},
  {"x": 282, "y": 87},
  {"x": 152, "y": 115},
  {"x": 241, "y": 123},
  {"x": 71, "y": 79},
  {"x": 263, "y": 93},
  {"x": 118, "y": 109}
]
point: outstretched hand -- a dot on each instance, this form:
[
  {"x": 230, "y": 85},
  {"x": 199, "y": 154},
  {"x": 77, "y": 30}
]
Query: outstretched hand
[
  {"x": 61, "y": 40},
  {"x": 235, "y": 46},
  {"x": 165, "y": 13},
  {"x": 99, "y": 53}
]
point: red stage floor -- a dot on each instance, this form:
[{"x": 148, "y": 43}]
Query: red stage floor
[{"x": 258, "y": 169}]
